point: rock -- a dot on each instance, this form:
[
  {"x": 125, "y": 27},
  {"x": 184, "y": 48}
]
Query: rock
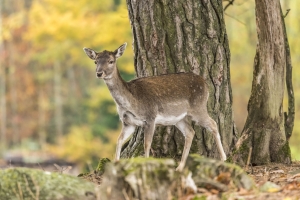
[
  {"x": 25, "y": 184},
  {"x": 154, "y": 178},
  {"x": 270, "y": 187},
  {"x": 217, "y": 174},
  {"x": 140, "y": 178}
]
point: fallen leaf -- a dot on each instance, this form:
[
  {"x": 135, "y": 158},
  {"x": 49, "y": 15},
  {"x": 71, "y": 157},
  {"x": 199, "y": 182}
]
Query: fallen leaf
[
  {"x": 224, "y": 177},
  {"x": 214, "y": 191},
  {"x": 270, "y": 187}
]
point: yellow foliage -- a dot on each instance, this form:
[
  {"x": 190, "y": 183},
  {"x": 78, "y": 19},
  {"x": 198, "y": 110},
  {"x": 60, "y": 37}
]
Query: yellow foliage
[
  {"x": 62, "y": 28},
  {"x": 80, "y": 146}
]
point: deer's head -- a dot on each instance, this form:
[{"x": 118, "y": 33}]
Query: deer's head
[{"x": 105, "y": 61}]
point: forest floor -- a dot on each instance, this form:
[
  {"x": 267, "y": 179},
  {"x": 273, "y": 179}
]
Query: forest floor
[
  {"x": 287, "y": 177},
  {"x": 273, "y": 181}
]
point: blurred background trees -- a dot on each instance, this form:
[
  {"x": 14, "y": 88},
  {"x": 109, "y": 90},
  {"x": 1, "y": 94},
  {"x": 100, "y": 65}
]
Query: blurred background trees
[{"x": 50, "y": 99}]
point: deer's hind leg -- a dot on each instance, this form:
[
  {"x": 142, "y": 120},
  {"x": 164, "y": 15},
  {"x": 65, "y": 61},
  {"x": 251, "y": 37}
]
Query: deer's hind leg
[
  {"x": 187, "y": 130},
  {"x": 209, "y": 124}
]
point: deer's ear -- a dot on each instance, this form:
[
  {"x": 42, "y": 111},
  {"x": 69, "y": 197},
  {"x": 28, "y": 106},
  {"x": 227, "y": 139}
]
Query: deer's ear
[
  {"x": 119, "y": 52},
  {"x": 90, "y": 53}
]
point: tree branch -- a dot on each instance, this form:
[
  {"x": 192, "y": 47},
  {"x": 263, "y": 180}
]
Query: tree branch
[
  {"x": 230, "y": 2},
  {"x": 235, "y": 18},
  {"x": 287, "y": 12}
]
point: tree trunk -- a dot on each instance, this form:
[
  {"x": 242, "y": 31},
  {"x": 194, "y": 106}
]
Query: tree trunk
[
  {"x": 264, "y": 130},
  {"x": 183, "y": 36},
  {"x": 13, "y": 95},
  {"x": 58, "y": 100},
  {"x": 42, "y": 115},
  {"x": 3, "y": 135}
]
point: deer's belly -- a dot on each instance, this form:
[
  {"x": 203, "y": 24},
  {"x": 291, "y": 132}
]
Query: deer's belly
[{"x": 169, "y": 120}]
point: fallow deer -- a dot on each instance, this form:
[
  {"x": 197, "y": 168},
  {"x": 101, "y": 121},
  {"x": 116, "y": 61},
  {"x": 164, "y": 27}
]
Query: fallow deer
[{"x": 171, "y": 99}]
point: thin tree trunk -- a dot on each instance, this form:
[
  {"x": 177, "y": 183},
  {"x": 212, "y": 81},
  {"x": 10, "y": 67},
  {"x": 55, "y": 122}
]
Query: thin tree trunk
[
  {"x": 13, "y": 95},
  {"x": 264, "y": 130},
  {"x": 184, "y": 36},
  {"x": 3, "y": 141},
  {"x": 58, "y": 113},
  {"x": 289, "y": 117},
  {"x": 42, "y": 116}
]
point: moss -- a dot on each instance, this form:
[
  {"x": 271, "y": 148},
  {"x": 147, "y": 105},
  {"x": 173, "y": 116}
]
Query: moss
[
  {"x": 286, "y": 149},
  {"x": 203, "y": 168},
  {"x": 202, "y": 197},
  {"x": 240, "y": 155},
  {"x": 24, "y": 183},
  {"x": 283, "y": 154},
  {"x": 139, "y": 150},
  {"x": 101, "y": 166},
  {"x": 141, "y": 177}
]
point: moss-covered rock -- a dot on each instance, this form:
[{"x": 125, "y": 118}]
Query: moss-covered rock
[
  {"x": 25, "y": 184},
  {"x": 140, "y": 178},
  {"x": 217, "y": 174},
  {"x": 152, "y": 178}
]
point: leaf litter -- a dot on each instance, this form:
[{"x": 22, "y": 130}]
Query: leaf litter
[{"x": 273, "y": 182}]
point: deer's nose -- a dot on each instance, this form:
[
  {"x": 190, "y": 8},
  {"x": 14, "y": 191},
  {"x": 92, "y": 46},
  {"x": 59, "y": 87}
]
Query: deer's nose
[{"x": 99, "y": 74}]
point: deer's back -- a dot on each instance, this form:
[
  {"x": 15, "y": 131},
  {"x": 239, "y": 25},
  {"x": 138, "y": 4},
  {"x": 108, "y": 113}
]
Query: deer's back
[{"x": 170, "y": 88}]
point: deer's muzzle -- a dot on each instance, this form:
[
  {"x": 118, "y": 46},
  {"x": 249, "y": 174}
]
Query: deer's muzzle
[{"x": 99, "y": 74}]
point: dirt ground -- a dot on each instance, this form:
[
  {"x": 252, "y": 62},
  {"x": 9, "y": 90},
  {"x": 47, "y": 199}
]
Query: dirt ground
[{"x": 287, "y": 177}]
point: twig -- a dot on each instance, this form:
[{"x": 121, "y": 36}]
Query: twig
[
  {"x": 287, "y": 12},
  {"x": 62, "y": 169},
  {"x": 58, "y": 168},
  {"x": 41, "y": 166},
  {"x": 229, "y": 4},
  {"x": 249, "y": 158},
  {"x": 235, "y": 19},
  {"x": 125, "y": 194}
]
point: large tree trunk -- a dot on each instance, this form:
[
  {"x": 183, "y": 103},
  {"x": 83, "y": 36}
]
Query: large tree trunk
[
  {"x": 264, "y": 130},
  {"x": 183, "y": 36}
]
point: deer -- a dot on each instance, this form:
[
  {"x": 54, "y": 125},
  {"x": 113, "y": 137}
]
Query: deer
[{"x": 170, "y": 99}]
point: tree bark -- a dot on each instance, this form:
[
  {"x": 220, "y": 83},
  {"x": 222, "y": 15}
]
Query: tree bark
[
  {"x": 183, "y": 36},
  {"x": 264, "y": 130},
  {"x": 289, "y": 117}
]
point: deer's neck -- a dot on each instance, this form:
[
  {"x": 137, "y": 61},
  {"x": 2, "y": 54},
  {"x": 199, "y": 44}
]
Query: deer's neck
[{"x": 119, "y": 90}]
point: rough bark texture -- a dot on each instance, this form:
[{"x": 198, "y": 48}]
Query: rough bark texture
[
  {"x": 264, "y": 130},
  {"x": 289, "y": 117},
  {"x": 183, "y": 36}
]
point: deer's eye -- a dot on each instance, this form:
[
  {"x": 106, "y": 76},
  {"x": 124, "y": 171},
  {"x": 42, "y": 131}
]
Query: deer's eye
[
  {"x": 95, "y": 62},
  {"x": 111, "y": 62}
]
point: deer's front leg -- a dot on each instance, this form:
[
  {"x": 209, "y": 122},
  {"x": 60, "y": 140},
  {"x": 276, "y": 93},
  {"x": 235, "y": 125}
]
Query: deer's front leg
[
  {"x": 148, "y": 136},
  {"x": 127, "y": 130},
  {"x": 185, "y": 127}
]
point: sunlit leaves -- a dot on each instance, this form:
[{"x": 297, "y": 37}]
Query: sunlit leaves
[{"x": 60, "y": 29}]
